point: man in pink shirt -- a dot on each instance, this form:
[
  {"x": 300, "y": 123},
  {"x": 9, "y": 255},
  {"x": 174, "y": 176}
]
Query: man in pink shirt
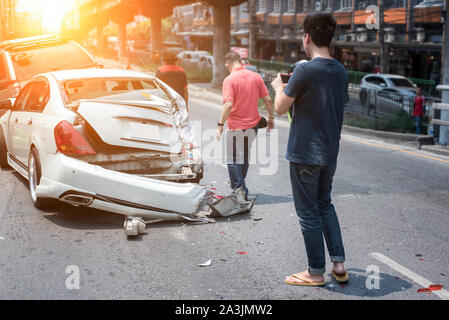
[{"x": 242, "y": 90}]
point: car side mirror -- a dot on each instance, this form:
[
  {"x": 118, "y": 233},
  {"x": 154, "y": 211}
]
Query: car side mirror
[{"x": 7, "y": 104}]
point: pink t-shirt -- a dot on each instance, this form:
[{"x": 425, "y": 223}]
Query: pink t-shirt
[{"x": 243, "y": 88}]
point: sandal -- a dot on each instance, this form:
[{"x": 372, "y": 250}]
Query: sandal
[
  {"x": 305, "y": 282},
  {"x": 340, "y": 277}
]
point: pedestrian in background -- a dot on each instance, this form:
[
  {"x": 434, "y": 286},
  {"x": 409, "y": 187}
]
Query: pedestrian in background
[
  {"x": 242, "y": 90},
  {"x": 318, "y": 91},
  {"x": 418, "y": 109},
  {"x": 173, "y": 75}
]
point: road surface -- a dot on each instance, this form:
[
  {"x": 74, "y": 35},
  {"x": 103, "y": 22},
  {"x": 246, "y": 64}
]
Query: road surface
[{"x": 392, "y": 201}]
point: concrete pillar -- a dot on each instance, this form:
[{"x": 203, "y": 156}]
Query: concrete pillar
[
  {"x": 101, "y": 23},
  {"x": 221, "y": 42},
  {"x": 122, "y": 54},
  {"x": 444, "y": 130},
  {"x": 156, "y": 33}
]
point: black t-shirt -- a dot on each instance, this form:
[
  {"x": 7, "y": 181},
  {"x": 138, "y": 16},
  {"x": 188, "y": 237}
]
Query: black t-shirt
[
  {"x": 320, "y": 88},
  {"x": 174, "y": 76}
]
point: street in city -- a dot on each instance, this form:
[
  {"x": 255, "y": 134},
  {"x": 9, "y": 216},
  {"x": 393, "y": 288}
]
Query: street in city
[
  {"x": 113, "y": 167},
  {"x": 392, "y": 203}
]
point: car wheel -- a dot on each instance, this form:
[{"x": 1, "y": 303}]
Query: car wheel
[
  {"x": 363, "y": 97},
  {"x": 34, "y": 178},
  {"x": 3, "y": 152}
]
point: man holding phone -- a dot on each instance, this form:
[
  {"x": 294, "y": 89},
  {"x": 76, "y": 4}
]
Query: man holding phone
[{"x": 318, "y": 91}]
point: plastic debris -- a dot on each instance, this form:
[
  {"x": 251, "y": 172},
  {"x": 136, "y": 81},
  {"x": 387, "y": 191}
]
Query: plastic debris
[
  {"x": 257, "y": 219},
  {"x": 1, "y": 238},
  {"x": 418, "y": 255},
  {"x": 421, "y": 259},
  {"x": 432, "y": 287},
  {"x": 242, "y": 252},
  {"x": 260, "y": 242},
  {"x": 206, "y": 264},
  {"x": 222, "y": 259}
]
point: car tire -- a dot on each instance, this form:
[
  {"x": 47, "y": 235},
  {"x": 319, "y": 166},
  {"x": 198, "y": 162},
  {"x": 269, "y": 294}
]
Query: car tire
[
  {"x": 363, "y": 96},
  {"x": 34, "y": 177},
  {"x": 3, "y": 151}
]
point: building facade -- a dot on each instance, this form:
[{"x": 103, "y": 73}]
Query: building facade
[
  {"x": 7, "y": 18},
  {"x": 412, "y": 32}
]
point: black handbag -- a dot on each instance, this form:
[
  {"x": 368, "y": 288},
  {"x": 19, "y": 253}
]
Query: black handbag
[{"x": 262, "y": 123}]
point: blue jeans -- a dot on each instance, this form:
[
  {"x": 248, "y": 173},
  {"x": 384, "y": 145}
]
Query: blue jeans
[
  {"x": 312, "y": 187},
  {"x": 418, "y": 123},
  {"x": 238, "y": 160}
]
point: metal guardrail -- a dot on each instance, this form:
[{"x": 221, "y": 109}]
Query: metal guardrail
[{"x": 440, "y": 106}]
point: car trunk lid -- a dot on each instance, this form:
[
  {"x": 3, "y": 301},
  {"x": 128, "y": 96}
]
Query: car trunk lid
[{"x": 125, "y": 122}]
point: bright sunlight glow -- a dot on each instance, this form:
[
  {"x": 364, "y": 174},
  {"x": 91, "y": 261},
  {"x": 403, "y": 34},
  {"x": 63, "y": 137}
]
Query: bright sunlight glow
[{"x": 53, "y": 11}]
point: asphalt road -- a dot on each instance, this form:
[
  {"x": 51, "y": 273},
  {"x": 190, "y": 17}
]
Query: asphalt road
[{"x": 391, "y": 200}]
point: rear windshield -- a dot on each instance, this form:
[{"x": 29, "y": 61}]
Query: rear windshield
[
  {"x": 398, "y": 82},
  {"x": 110, "y": 89},
  {"x": 29, "y": 63}
]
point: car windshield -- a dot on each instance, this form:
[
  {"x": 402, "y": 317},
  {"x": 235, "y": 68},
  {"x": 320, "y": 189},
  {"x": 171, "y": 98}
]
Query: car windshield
[
  {"x": 34, "y": 61},
  {"x": 401, "y": 82},
  {"x": 123, "y": 89}
]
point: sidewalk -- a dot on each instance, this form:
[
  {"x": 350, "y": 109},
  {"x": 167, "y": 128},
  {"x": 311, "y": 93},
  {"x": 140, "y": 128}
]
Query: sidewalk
[{"x": 205, "y": 92}]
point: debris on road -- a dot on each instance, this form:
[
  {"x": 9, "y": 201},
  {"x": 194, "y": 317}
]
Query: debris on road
[
  {"x": 205, "y": 264},
  {"x": 242, "y": 252},
  {"x": 257, "y": 219},
  {"x": 1, "y": 238},
  {"x": 231, "y": 205},
  {"x": 432, "y": 287}
]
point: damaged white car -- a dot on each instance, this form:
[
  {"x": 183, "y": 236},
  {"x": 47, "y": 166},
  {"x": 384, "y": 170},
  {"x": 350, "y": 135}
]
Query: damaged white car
[{"x": 115, "y": 140}]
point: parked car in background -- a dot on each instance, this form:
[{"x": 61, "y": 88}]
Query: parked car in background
[
  {"x": 22, "y": 59},
  {"x": 116, "y": 140},
  {"x": 192, "y": 55},
  {"x": 388, "y": 85}
]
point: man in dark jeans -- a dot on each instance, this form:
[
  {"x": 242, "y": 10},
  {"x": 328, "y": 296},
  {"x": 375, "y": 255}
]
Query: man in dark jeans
[{"x": 318, "y": 91}]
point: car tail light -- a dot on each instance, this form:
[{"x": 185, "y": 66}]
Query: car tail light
[{"x": 70, "y": 141}]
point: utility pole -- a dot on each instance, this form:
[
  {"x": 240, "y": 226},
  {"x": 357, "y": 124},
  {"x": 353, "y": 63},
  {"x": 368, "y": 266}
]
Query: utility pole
[
  {"x": 381, "y": 37},
  {"x": 444, "y": 130},
  {"x": 252, "y": 29}
]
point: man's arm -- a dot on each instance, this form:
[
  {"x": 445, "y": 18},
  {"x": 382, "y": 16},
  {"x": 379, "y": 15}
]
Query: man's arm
[
  {"x": 269, "y": 105},
  {"x": 282, "y": 102},
  {"x": 225, "y": 112}
]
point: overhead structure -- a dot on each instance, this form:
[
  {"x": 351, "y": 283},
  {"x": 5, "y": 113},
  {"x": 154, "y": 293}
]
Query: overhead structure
[{"x": 96, "y": 14}]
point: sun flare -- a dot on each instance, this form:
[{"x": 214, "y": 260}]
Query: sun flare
[{"x": 52, "y": 11}]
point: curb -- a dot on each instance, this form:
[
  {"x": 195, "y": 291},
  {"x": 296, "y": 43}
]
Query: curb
[
  {"x": 441, "y": 150},
  {"x": 396, "y": 136}
]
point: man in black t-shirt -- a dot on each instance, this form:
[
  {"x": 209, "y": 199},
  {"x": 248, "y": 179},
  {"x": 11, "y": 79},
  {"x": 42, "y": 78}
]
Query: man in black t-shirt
[
  {"x": 173, "y": 75},
  {"x": 317, "y": 90}
]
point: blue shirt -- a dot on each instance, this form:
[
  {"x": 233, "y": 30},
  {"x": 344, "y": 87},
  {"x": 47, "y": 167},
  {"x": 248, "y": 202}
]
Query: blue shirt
[{"x": 320, "y": 88}]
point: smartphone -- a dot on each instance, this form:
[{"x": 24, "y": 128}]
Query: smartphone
[{"x": 285, "y": 77}]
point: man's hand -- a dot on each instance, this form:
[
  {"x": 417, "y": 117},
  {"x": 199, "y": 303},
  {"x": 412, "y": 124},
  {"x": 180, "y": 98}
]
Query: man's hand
[
  {"x": 277, "y": 83},
  {"x": 270, "y": 124},
  {"x": 219, "y": 133}
]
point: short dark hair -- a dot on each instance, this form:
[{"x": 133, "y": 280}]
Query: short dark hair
[
  {"x": 232, "y": 57},
  {"x": 321, "y": 28},
  {"x": 168, "y": 56}
]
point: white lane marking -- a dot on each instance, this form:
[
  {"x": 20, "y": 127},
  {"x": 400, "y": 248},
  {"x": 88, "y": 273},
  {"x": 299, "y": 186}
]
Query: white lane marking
[{"x": 443, "y": 294}]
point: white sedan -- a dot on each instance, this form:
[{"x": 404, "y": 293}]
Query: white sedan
[{"x": 115, "y": 140}]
